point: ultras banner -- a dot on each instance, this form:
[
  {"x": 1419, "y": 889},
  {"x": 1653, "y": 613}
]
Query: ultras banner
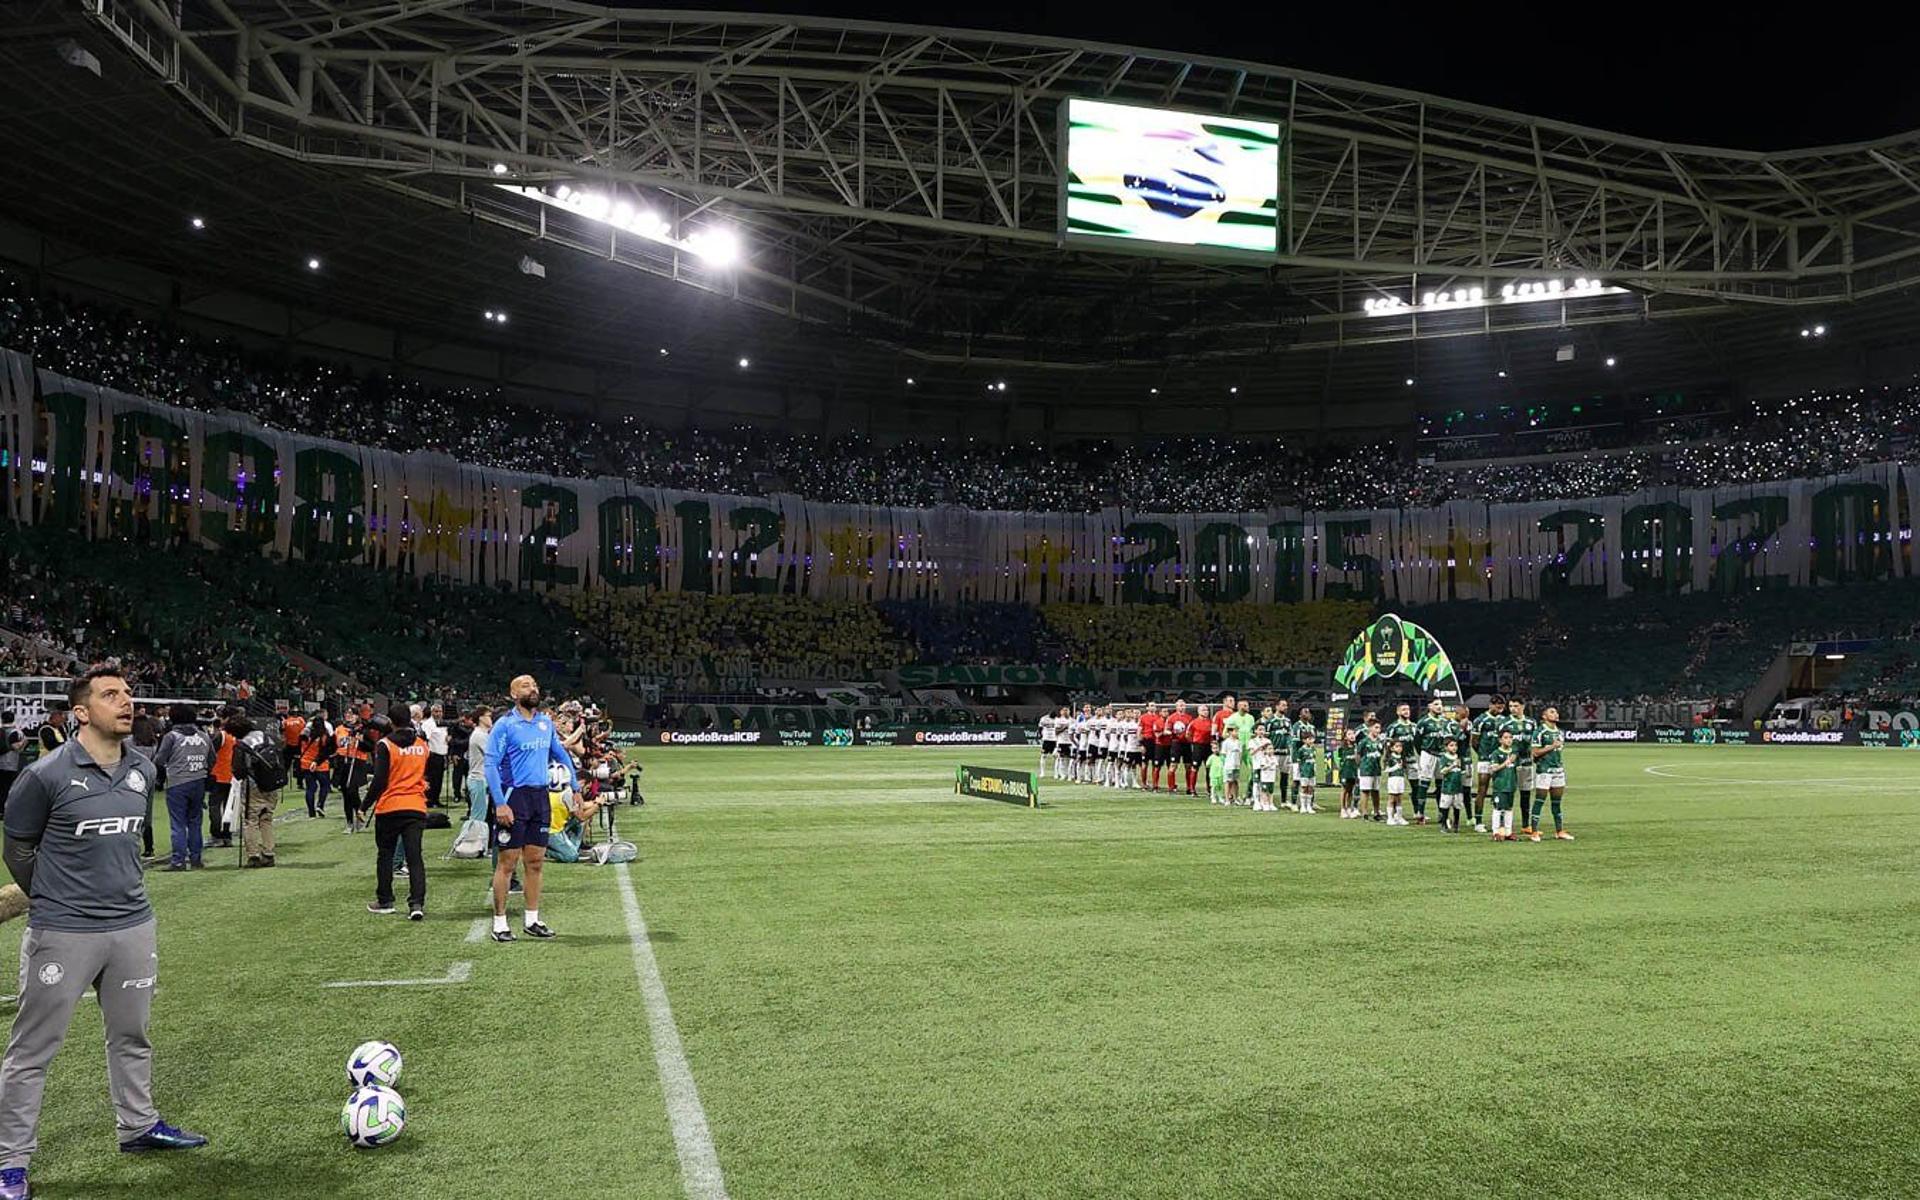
[{"x": 84, "y": 457}]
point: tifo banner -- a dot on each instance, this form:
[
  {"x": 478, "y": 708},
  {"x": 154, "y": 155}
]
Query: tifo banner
[
  {"x": 1392, "y": 647},
  {"x": 110, "y": 464},
  {"x": 991, "y": 783}
]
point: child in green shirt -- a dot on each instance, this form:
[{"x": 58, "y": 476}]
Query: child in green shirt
[
  {"x": 1453, "y": 785},
  {"x": 1506, "y": 780},
  {"x": 1217, "y": 779},
  {"x": 1305, "y": 767}
]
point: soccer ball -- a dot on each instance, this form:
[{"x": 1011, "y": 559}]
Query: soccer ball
[
  {"x": 373, "y": 1116},
  {"x": 373, "y": 1062}
]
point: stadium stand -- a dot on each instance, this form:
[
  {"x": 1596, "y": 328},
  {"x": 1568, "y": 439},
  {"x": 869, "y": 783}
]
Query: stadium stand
[
  {"x": 187, "y": 634},
  {"x": 643, "y": 629},
  {"x": 1774, "y": 439}
]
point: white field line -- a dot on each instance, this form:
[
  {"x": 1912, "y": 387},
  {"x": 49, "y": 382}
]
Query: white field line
[
  {"x": 459, "y": 972},
  {"x": 699, "y": 1166}
]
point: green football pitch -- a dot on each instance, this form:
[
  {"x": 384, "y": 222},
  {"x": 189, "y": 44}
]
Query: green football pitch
[{"x": 882, "y": 989}]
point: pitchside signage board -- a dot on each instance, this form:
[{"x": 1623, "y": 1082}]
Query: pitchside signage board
[
  {"x": 992, "y": 783},
  {"x": 1705, "y": 735}
]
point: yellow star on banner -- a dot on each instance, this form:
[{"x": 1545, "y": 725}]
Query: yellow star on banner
[
  {"x": 1043, "y": 559},
  {"x": 441, "y": 525},
  {"x": 1469, "y": 561},
  {"x": 850, "y": 553}
]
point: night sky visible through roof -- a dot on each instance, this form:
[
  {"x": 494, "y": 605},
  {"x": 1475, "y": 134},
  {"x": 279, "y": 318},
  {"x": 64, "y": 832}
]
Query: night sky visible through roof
[{"x": 1750, "y": 78}]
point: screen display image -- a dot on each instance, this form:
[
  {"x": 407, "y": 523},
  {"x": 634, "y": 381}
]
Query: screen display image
[{"x": 1178, "y": 178}]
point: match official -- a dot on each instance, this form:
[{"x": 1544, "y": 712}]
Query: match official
[
  {"x": 519, "y": 747},
  {"x": 73, "y": 825}
]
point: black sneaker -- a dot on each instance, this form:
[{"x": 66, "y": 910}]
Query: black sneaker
[
  {"x": 379, "y": 909},
  {"x": 503, "y": 935},
  {"x": 539, "y": 930},
  {"x": 416, "y": 914},
  {"x": 164, "y": 1137}
]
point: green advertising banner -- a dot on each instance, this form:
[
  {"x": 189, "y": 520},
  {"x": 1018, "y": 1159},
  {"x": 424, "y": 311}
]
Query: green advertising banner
[
  {"x": 1392, "y": 647},
  {"x": 992, "y": 783}
]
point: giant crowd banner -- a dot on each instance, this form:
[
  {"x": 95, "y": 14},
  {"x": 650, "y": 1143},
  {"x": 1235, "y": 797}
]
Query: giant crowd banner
[{"x": 80, "y": 456}]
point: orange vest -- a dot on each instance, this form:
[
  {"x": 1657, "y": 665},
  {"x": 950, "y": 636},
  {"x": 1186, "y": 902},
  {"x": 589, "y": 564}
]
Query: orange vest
[
  {"x": 291, "y": 729},
  {"x": 313, "y": 754},
  {"x": 222, "y": 769},
  {"x": 406, "y": 789},
  {"x": 347, "y": 743}
]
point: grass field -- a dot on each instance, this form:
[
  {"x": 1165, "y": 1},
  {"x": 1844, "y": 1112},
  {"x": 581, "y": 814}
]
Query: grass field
[{"x": 884, "y": 990}]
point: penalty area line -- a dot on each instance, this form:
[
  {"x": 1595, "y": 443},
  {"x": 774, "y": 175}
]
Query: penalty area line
[
  {"x": 699, "y": 1166},
  {"x": 459, "y": 972}
]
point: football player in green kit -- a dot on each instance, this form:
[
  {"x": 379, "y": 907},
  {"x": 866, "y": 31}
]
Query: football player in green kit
[
  {"x": 1400, "y": 734},
  {"x": 1428, "y": 736},
  {"x": 1486, "y": 741},
  {"x": 1304, "y": 728},
  {"x": 1278, "y": 727},
  {"x": 1549, "y": 773},
  {"x": 1522, "y": 727}
]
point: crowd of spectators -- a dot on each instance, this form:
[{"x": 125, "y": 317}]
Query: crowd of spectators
[
  {"x": 783, "y": 635},
  {"x": 192, "y": 622},
  {"x": 1805, "y": 435}
]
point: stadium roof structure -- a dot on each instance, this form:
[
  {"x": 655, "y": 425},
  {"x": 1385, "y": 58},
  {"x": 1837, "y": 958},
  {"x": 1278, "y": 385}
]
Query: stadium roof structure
[{"x": 896, "y": 190}]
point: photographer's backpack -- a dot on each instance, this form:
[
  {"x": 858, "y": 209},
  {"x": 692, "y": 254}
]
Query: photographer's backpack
[{"x": 265, "y": 771}]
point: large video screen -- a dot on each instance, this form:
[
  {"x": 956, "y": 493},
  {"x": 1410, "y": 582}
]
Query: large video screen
[{"x": 1176, "y": 178}]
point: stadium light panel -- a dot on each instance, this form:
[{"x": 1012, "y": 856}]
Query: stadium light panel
[
  {"x": 313, "y": 264},
  {"x": 198, "y": 222},
  {"x": 909, "y": 381},
  {"x": 745, "y": 363},
  {"x": 1516, "y": 292},
  {"x": 718, "y": 245},
  {"x": 721, "y": 247},
  {"x": 1819, "y": 331},
  {"x": 1610, "y": 361}
]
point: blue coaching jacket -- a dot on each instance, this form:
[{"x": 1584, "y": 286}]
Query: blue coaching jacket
[{"x": 518, "y": 751}]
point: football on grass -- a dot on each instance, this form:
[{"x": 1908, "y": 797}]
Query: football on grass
[
  {"x": 373, "y": 1062},
  {"x": 373, "y": 1116}
]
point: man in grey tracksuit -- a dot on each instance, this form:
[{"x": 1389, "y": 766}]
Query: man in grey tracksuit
[
  {"x": 182, "y": 760},
  {"x": 73, "y": 825}
]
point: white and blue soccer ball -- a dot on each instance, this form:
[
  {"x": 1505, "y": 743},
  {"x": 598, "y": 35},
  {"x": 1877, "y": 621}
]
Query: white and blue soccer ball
[
  {"x": 374, "y": 1062},
  {"x": 373, "y": 1116}
]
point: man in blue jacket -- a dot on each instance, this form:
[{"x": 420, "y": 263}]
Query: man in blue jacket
[{"x": 519, "y": 747}]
